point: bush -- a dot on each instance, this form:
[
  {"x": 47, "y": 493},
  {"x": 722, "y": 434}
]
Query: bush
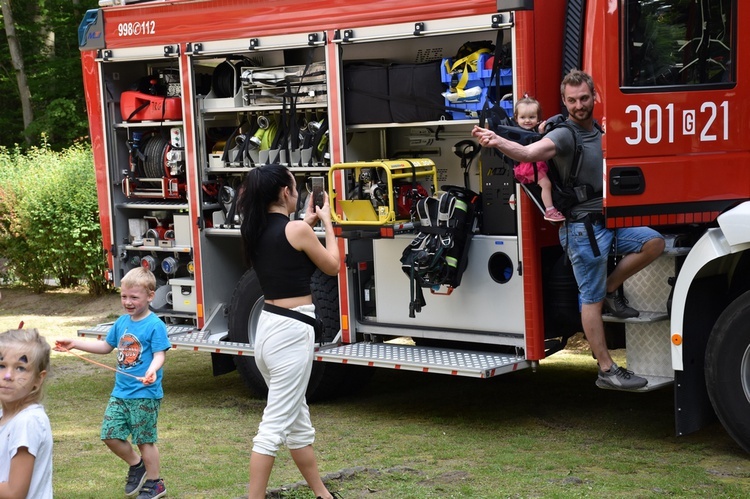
[{"x": 49, "y": 224}]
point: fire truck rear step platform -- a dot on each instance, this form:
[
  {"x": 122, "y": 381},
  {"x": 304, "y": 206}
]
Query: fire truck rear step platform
[
  {"x": 654, "y": 383},
  {"x": 394, "y": 356},
  {"x": 100, "y": 331},
  {"x": 467, "y": 363},
  {"x": 425, "y": 359},
  {"x": 644, "y": 317}
]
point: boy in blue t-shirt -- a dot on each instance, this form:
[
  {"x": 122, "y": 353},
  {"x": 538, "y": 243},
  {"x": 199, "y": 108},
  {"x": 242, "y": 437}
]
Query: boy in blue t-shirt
[{"x": 141, "y": 341}]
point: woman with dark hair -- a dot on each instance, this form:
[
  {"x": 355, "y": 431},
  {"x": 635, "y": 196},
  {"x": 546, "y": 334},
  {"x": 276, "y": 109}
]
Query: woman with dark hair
[{"x": 284, "y": 255}]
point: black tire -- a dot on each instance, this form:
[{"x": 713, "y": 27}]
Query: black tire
[
  {"x": 326, "y": 380},
  {"x": 728, "y": 369},
  {"x": 244, "y": 310},
  {"x": 562, "y": 318}
]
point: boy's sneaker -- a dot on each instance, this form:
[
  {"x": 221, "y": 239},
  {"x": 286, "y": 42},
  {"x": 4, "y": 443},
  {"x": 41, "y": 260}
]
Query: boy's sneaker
[
  {"x": 552, "y": 214},
  {"x": 135, "y": 480},
  {"x": 617, "y": 305},
  {"x": 620, "y": 378},
  {"x": 153, "y": 489}
]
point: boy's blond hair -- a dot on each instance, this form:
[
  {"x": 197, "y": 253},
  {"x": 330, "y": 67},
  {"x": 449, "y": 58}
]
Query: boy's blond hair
[
  {"x": 139, "y": 277},
  {"x": 35, "y": 348}
]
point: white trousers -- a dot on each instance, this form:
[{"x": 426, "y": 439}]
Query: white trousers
[{"x": 284, "y": 350}]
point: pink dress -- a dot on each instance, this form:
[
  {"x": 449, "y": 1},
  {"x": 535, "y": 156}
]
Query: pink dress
[{"x": 524, "y": 172}]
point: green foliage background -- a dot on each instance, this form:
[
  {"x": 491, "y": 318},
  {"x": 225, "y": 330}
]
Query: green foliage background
[
  {"x": 48, "y": 33},
  {"x": 49, "y": 224}
]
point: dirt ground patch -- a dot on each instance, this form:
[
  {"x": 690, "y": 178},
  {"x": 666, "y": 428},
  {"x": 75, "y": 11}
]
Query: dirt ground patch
[
  {"x": 578, "y": 343},
  {"x": 57, "y": 311}
]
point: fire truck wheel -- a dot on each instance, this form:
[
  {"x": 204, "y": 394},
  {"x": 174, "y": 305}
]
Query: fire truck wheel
[
  {"x": 728, "y": 369},
  {"x": 244, "y": 310},
  {"x": 330, "y": 380},
  {"x": 336, "y": 379}
]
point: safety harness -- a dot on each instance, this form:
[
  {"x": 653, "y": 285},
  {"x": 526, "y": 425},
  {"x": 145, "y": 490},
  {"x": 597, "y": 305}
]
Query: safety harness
[
  {"x": 567, "y": 193},
  {"x": 438, "y": 255}
]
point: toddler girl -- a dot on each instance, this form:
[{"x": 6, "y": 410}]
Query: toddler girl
[{"x": 528, "y": 114}]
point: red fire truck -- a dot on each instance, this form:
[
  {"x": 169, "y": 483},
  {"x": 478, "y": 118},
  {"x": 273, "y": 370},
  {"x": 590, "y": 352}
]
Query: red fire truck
[{"x": 186, "y": 96}]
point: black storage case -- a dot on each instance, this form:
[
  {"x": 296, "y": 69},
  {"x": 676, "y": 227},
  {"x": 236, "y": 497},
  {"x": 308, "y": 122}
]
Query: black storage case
[
  {"x": 392, "y": 93},
  {"x": 416, "y": 92},
  {"x": 366, "y": 96}
]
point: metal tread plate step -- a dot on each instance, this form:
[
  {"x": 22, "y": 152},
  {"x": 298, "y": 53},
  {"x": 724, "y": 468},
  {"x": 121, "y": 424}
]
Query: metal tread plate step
[
  {"x": 100, "y": 331},
  {"x": 202, "y": 341},
  {"x": 424, "y": 359},
  {"x": 645, "y": 317},
  {"x": 183, "y": 336},
  {"x": 654, "y": 383},
  {"x": 394, "y": 356}
]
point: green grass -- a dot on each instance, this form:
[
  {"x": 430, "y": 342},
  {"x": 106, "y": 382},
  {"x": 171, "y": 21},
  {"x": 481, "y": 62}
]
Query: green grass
[
  {"x": 409, "y": 435},
  {"x": 548, "y": 434}
]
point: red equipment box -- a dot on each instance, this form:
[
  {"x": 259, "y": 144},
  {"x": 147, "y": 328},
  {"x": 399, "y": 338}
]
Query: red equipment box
[{"x": 137, "y": 106}]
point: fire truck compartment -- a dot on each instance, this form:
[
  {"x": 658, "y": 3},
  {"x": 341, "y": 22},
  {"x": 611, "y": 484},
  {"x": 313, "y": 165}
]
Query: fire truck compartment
[{"x": 484, "y": 302}]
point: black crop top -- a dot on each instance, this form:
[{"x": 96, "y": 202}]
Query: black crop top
[{"x": 283, "y": 271}]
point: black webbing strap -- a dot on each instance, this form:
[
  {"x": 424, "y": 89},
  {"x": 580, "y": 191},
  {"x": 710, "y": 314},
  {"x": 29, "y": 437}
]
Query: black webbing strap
[
  {"x": 416, "y": 297},
  {"x": 138, "y": 110},
  {"x": 589, "y": 224},
  {"x": 492, "y": 102},
  {"x": 292, "y": 314},
  {"x": 414, "y": 194},
  {"x": 496, "y": 63}
]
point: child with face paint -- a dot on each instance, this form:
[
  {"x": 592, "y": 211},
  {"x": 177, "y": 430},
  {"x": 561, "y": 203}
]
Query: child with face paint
[{"x": 25, "y": 433}]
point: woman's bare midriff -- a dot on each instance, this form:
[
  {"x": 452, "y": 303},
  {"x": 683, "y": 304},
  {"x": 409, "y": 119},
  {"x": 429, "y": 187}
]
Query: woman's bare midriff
[{"x": 293, "y": 302}]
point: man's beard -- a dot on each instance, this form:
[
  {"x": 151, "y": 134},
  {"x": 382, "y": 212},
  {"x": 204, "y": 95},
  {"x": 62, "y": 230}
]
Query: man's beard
[{"x": 583, "y": 114}]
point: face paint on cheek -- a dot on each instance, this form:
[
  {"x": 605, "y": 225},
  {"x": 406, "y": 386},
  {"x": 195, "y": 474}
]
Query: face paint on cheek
[{"x": 23, "y": 378}]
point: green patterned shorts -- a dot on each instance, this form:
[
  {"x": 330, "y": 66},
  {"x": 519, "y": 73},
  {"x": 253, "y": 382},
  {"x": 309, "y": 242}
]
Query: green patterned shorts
[{"x": 126, "y": 417}]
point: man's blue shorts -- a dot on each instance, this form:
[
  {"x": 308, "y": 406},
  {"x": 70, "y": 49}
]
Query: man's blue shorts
[{"x": 591, "y": 271}]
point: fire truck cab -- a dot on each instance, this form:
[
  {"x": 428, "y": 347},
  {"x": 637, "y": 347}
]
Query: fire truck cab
[{"x": 186, "y": 96}]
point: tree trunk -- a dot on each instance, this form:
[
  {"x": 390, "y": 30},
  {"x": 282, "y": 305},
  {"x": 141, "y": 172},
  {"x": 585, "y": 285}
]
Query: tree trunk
[{"x": 17, "y": 60}]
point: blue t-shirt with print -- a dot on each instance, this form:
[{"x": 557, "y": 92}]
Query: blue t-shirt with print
[{"x": 136, "y": 342}]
